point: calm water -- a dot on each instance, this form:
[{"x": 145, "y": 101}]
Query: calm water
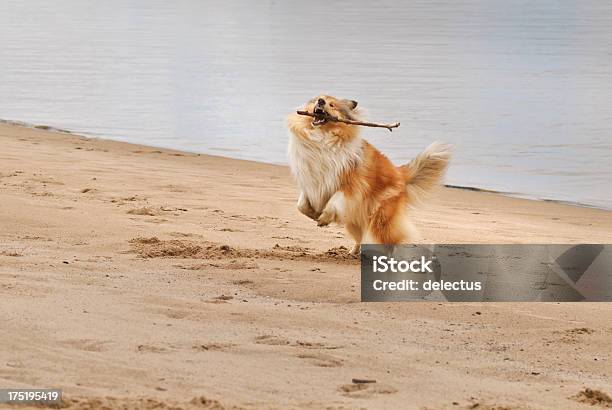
[{"x": 522, "y": 89}]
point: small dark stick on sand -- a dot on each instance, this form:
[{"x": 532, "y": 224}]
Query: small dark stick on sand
[
  {"x": 363, "y": 381},
  {"x": 353, "y": 122}
]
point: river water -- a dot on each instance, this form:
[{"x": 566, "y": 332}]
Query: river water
[{"x": 522, "y": 89}]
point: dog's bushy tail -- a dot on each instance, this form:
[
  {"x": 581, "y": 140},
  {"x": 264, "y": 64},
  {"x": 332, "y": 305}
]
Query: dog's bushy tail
[{"x": 426, "y": 171}]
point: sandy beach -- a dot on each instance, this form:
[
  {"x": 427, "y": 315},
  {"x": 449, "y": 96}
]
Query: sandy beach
[{"x": 138, "y": 277}]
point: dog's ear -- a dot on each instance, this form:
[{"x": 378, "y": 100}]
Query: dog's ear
[{"x": 352, "y": 104}]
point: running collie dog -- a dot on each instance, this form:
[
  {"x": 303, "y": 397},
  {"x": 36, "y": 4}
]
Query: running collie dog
[{"x": 344, "y": 179}]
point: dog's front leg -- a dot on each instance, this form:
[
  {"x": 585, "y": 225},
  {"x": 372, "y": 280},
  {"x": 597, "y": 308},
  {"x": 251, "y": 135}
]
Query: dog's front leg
[
  {"x": 332, "y": 212},
  {"x": 303, "y": 205}
]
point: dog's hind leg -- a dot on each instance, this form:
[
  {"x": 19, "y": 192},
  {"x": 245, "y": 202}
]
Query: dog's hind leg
[
  {"x": 389, "y": 224},
  {"x": 357, "y": 234}
]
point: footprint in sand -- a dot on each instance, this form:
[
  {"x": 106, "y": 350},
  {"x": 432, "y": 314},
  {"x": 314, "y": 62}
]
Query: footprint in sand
[
  {"x": 289, "y": 238},
  {"x": 271, "y": 340},
  {"x": 124, "y": 200},
  {"x": 315, "y": 345},
  {"x": 156, "y": 221},
  {"x": 213, "y": 347},
  {"x": 364, "y": 390},
  {"x": 234, "y": 265},
  {"x": 11, "y": 253},
  {"x": 42, "y": 194},
  {"x": 144, "y": 211},
  {"x": 88, "y": 345},
  {"x": 174, "y": 188},
  {"x": 184, "y": 235},
  {"x": 242, "y": 282},
  {"x": 175, "y": 314},
  {"x": 321, "y": 360},
  {"x": 46, "y": 181},
  {"x": 143, "y": 348}
]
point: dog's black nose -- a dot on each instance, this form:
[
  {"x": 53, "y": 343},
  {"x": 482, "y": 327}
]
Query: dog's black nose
[{"x": 321, "y": 101}]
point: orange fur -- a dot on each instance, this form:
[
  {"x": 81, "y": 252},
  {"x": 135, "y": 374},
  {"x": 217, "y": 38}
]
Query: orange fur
[{"x": 345, "y": 179}]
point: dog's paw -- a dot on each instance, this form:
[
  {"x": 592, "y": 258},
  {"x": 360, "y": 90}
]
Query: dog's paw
[
  {"x": 325, "y": 219},
  {"x": 315, "y": 216},
  {"x": 309, "y": 212}
]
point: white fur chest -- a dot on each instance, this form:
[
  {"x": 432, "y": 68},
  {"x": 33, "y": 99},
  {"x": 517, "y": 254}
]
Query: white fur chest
[{"x": 318, "y": 164}]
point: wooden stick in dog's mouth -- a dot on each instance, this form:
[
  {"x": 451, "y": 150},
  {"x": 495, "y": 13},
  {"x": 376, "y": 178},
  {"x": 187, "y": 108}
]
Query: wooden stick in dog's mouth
[{"x": 328, "y": 117}]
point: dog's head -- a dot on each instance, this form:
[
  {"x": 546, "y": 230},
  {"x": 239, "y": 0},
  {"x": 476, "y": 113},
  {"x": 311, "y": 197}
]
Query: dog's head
[{"x": 326, "y": 105}]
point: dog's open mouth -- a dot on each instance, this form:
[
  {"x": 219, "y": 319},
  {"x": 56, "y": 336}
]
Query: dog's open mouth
[{"x": 320, "y": 116}]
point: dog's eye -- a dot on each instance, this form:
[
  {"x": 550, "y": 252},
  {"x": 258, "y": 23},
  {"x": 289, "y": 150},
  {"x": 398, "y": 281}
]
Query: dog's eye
[{"x": 331, "y": 105}]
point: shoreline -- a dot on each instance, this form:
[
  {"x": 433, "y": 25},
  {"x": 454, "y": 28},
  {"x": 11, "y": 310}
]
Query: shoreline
[
  {"x": 451, "y": 186},
  {"x": 138, "y": 277}
]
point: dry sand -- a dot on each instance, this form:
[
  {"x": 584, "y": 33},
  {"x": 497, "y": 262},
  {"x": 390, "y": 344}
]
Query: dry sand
[{"x": 137, "y": 277}]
